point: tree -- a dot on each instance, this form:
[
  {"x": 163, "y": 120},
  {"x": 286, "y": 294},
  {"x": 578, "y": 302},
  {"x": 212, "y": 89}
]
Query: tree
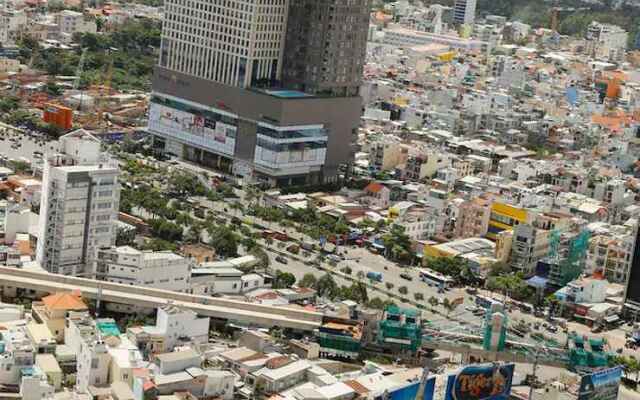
[
  {"x": 224, "y": 240},
  {"x": 346, "y": 270},
  {"x": 52, "y": 88},
  {"x": 309, "y": 280},
  {"x": 125, "y": 236},
  {"x": 397, "y": 243},
  {"x": 389, "y": 285},
  {"x": 326, "y": 287},
  {"x": 359, "y": 292},
  {"x": 418, "y": 296},
  {"x": 403, "y": 290},
  {"x": 449, "y": 306},
  {"x": 159, "y": 245},
  {"x": 193, "y": 235},
  {"x": 376, "y": 303},
  {"x": 166, "y": 230},
  {"x": 433, "y": 301},
  {"x": 283, "y": 280},
  {"x": 360, "y": 275},
  {"x": 263, "y": 258},
  {"x": 499, "y": 268},
  {"x": 511, "y": 285},
  {"x": 248, "y": 243},
  {"x": 9, "y": 103}
]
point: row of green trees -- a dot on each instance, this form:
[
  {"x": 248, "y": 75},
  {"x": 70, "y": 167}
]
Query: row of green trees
[{"x": 131, "y": 49}]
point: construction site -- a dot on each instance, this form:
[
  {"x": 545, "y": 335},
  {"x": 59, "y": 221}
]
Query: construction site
[{"x": 62, "y": 101}]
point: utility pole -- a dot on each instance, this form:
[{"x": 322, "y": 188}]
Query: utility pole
[
  {"x": 535, "y": 368},
  {"x": 423, "y": 379},
  {"x": 98, "y": 300}
]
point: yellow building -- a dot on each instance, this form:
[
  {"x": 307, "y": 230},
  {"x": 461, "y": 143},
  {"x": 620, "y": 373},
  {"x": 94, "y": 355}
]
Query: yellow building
[
  {"x": 446, "y": 56},
  {"x": 504, "y": 217}
]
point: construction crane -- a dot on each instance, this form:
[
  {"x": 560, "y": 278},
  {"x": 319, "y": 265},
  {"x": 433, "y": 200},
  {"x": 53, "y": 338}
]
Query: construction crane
[
  {"x": 555, "y": 14},
  {"x": 80, "y": 69},
  {"x": 101, "y": 92},
  {"x": 104, "y": 92}
]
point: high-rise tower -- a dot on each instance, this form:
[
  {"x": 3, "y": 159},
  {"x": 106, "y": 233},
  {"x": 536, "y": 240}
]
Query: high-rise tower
[
  {"x": 325, "y": 46},
  {"x": 257, "y": 90},
  {"x": 464, "y": 11}
]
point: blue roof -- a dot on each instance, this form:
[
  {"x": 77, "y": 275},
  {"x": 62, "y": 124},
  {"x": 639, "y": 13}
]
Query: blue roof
[
  {"x": 537, "y": 282},
  {"x": 287, "y": 94}
]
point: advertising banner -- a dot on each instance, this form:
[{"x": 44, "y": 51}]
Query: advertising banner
[
  {"x": 481, "y": 382},
  {"x": 601, "y": 385},
  {"x": 429, "y": 389},
  {"x": 412, "y": 391},
  {"x": 193, "y": 129}
]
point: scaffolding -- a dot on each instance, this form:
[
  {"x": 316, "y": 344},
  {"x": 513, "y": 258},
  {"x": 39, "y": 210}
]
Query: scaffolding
[{"x": 400, "y": 326}]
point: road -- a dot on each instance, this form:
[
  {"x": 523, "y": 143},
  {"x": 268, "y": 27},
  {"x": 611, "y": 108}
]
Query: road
[
  {"x": 360, "y": 259},
  {"x": 27, "y": 144}
]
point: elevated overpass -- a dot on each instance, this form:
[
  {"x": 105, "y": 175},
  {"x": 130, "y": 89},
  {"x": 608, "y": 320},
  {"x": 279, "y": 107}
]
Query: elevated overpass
[{"x": 235, "y": 310}]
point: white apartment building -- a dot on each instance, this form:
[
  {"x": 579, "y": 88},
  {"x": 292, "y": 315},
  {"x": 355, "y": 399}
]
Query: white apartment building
[
  {"x": 70, "y": 22},
  {"x": 174, "y": 323},
  {"x": 208, "y": 280},
  {"x": 92, "y": 358},
  {"x": 604, "y": 41},
  {"x": 402, "y": 37},
  {"x": 103, "y": 355},
  {"x": 464, "y": 11},
  {"x": 18, "y": 353},
  {"x": 175, "y": 326},
  {"x": 236, "y": 43},
  {"x": 11, "y": 22},
  {"x": 159, "y": 270},
  {"x": 78, "y": 207},
  {"x": 611, "y": 250}
]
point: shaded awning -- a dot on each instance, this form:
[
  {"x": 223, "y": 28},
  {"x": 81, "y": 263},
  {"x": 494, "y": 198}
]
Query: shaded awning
[
  {"x": 612, "y": 318},
  {"x": 537, "y": 282}
]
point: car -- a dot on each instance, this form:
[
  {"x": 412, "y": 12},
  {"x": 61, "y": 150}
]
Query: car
[
  {"x": 552, "y": 328},
  {"x": 406, "y": 276},
  {"x": 472, "y": 290},
  {"x": 471, "y": 308},
  {"x": 282, "y": 260},
  {"x": 479, "y": 312}
]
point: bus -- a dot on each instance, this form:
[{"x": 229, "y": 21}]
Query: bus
[
  {"x": 433, "y": 278},
  {"x": 484, "y": 301}
]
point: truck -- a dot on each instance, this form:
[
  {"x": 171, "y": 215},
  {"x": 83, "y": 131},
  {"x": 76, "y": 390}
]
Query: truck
[
  {"x": 374, "y": 276},
  {"x": 283, "y": 237},
  {"x": 307, "y": 246}
]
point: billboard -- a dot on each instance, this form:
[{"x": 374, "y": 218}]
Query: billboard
[
  {"x": 192, "y": 129},
  {"x": 601, "y": 385},
  {"x": 481, "y": 382},
  {"x": 411, "y": 391}
]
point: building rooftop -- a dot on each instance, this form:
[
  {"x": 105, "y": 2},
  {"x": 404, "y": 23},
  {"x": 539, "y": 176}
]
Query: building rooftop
[
  {"x": 64, "y": 301},
  {"x": 177, "y": 355}
]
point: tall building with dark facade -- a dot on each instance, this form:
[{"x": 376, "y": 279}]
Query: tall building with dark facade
[
  {"x": 227, "y": 93},
  {"x": 325, "y": 46}
]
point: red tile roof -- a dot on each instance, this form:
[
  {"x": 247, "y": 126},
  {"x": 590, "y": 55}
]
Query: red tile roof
[{"x": 374, "y": 187}]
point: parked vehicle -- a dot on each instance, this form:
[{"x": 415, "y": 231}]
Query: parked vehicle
[
  {"x": 282, "y": 260},
  {"x": 294, "y": 249},
  {"x": 374, "y": 276},
  {"x": 406, "y": 276}
]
